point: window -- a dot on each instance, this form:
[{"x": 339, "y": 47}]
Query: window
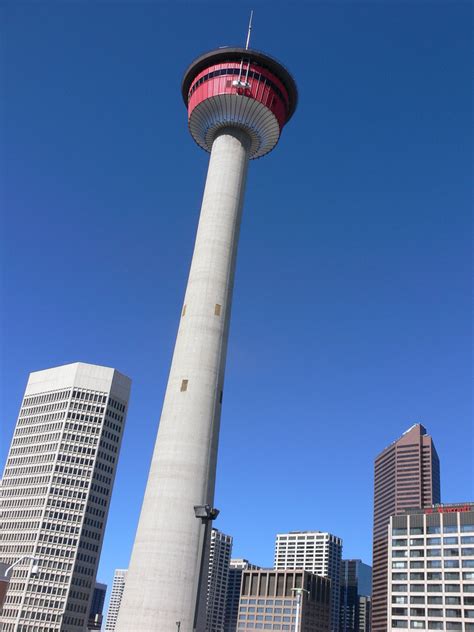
[
  {"x": 433, "y": 552},
  {"x": 435, "y": 600},
  {"x": 417, "y": 599},
  {"x": 451, "y": 563},
  {"x": 416, "y": 531},
  {"x": 450, "y": 528},
  {"x": 433, "y": 529},
  {"x": 434, "y": 564},
  {"x": 435, "y": 612},
  {"x": 400, "y": 612},
  {"x": 417, "y": 625},
  {"x": 432, "y": 541},
  {"x": 399, "y": 623},
  {"x": 400, "y": 531},
  {"x": 450, "y": 540},
  {"x": 452, "y": 601}
]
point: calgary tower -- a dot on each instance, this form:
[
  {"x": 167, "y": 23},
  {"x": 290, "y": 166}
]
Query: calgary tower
[{"x": 238, "y": 101}]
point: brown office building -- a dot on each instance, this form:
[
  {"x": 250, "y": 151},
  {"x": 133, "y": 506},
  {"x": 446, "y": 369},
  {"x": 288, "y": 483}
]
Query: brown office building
[
  {"x": 269, "y": 601},
  {"x": 406, "y": 476}
]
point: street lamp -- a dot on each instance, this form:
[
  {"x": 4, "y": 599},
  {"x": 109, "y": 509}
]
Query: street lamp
[
  {"x": 33, "y": 569},
  {"x": 206, "y": 514},
  {"x": 299, "y": 598}
]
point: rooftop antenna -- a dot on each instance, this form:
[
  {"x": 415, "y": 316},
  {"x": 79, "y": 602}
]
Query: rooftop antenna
[
  {"x": 238, "y": 82},
  {"x": 249, "y": 31}
]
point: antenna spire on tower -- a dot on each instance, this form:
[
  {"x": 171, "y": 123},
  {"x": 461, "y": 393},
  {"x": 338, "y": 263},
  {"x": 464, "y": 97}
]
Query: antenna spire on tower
[{"x": 249, "y": 31}]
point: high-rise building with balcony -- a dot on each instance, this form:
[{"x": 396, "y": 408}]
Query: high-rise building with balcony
[
  {"x": 431, "y": 569},
  {"x": 118, "y": 586},
  {"x": 406, "y": 475},
  {"x": 55, "y": 494},
  {"x": 317, "y": 552},
  {"x": 218, "y": 575}
]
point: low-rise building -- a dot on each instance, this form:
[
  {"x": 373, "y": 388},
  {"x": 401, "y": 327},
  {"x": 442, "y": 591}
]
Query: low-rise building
[{"x": 292, "y": 600}]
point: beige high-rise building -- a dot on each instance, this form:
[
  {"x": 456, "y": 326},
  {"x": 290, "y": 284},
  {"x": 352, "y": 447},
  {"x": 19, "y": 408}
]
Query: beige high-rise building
[{"x": 55, "y": 494}]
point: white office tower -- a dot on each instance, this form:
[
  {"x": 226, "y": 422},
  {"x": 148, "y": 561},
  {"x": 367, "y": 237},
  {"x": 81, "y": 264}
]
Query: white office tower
[
  {"x": 55, "y": 494},
  {"x": 236, "y": 569},
  {"x": 431, "y": 569},
  {"x": 313, "y": 551},
  {"x": 115, "y": 598},
  {"x": 219, "y": 561}
]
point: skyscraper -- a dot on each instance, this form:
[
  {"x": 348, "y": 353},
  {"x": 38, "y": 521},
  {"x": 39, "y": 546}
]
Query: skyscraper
[
  {"x": 356, "y": 581},
  {"x": 406, "y": 475},
  {"x": 236, "y": 568},
  {"x": 317, "y": 552},
  {"x": 97, "y": 606},
  {"x": 118, "y": 586},
  {"x": 238, "y": 101},
  {"x": 217, "y": 579},
  {"x": 56, "y": 491}
]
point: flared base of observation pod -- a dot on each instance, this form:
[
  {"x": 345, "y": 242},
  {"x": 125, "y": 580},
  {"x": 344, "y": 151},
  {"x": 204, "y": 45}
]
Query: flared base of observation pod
[
  {"x": 242, "y": 88},
  {"x": 226, "y": 110}
]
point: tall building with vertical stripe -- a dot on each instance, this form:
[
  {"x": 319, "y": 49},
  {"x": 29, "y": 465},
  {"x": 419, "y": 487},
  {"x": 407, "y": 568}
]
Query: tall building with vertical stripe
[
  {"x": 407, "y": 475},
  {"x": 55, "y": 494}
]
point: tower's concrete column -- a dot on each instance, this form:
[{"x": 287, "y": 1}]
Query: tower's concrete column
[{"x": 161, "y": 585}]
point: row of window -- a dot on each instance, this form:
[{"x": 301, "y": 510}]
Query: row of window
[
  {"x": 449, "y": 613},
  {"x": 432, "y": 625},
  {"x": 453, "y": 539},
  {"x": 447, "y": 552},
  {"x": 434, "y": 529},
  {"x": 436, "y": 587},
  {"x": 236, "y": 72}
]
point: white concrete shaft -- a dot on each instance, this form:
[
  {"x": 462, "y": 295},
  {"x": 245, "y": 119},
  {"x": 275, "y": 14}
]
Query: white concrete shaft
[{"x": 162, "y": 579}]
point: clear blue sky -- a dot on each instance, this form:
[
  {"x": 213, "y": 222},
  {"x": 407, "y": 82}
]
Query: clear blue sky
[{"x": 352, "y": 309}]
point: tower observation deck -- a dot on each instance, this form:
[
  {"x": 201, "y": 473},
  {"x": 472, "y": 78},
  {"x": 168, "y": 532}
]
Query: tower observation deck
[{"x": 238, "y": 101}]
